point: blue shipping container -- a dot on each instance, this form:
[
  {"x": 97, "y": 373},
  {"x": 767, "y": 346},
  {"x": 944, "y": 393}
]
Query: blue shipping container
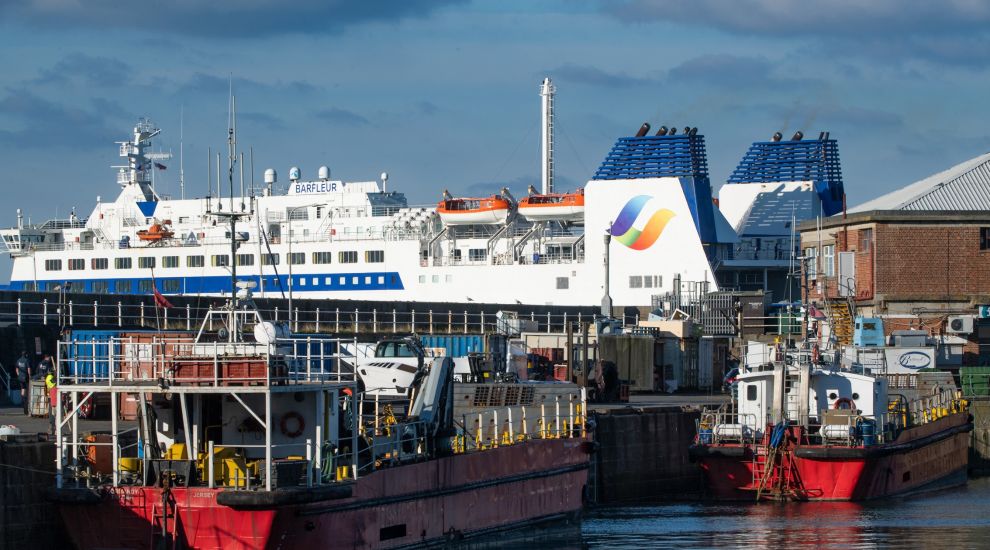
[
  {"x": 86, "y": 355},
  {"x": 457, "y": 345}
]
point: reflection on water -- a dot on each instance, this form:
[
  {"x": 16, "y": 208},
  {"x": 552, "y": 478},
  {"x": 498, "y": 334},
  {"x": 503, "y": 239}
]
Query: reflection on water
[{"x": 957, "y": 518}]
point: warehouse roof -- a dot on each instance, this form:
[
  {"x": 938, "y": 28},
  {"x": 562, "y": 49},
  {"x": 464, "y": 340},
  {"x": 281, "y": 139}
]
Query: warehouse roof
[{"x": 965, "y": 186}]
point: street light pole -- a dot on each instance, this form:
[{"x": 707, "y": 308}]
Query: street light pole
[{"x": 289, "y": 238}]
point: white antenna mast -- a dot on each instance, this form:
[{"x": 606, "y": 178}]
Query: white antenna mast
[
  {"x": 182, "y": 165},
  {"x": 547, "y": 91}
]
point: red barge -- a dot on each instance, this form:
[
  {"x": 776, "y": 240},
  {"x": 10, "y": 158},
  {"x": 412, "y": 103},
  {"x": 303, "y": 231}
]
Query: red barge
[
  {"x": 270, "y": 443},
  {"x": 801, "y": 431}
]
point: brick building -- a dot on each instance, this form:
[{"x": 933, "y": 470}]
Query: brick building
[{"x": 918, "y": 258}]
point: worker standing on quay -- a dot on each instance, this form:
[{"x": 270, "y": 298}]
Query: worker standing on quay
[
  {"x": 52, "y": 400},
  {"x": 22, "y": 369}
]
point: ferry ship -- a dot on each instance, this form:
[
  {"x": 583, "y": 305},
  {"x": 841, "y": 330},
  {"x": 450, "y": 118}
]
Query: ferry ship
[{"x": 328, "y": 238}]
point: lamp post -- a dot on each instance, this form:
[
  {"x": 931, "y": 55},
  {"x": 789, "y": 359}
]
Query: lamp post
[{"x": 289, "y": 239}]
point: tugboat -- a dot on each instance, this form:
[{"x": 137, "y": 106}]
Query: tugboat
[
  {"x": 802, "y": 429},
  {"x": 247, "y": 439}
]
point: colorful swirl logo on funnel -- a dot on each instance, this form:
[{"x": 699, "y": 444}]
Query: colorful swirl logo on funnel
[{"x": 636, "y": 239}]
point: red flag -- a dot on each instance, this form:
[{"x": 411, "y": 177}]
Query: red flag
[{"x": 160, "y": 300}]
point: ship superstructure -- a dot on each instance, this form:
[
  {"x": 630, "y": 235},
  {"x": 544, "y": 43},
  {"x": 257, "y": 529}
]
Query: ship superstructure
[{"x": 328, "y": 238}]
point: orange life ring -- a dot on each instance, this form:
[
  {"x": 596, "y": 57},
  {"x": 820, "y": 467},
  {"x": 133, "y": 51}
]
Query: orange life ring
[
  {"x": 844, "y": 401},
  {"x": 284, "y": 424}
]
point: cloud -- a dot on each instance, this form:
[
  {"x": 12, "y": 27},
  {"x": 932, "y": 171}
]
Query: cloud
[
  {"x": 335, "y": 115},
  {"x": 950, "y": 31},
  {"x": 262, "y": 120},
  {"x": 46, "y": 123},
  {"x": 208, "y": 84},
  {"x": 735, "y": 71},
  {"x": 585, "y": 74},
  {"x": 88, "y": 70},
  {"x": 427, "y": 108},
  {"x": 219, "y": 18}
]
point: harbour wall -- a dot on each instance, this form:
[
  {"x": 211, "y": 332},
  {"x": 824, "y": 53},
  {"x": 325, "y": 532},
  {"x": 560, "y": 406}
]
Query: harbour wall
[
  {"x": 642, "y": 455},
  {"x": 27, "y": 518},
  {"x": 979, "y": 443}
]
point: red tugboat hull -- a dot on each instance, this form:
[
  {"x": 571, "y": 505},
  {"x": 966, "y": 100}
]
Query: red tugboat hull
[
  {"x": 414, "y": 504},
  {"x": 926, "y": 457}
]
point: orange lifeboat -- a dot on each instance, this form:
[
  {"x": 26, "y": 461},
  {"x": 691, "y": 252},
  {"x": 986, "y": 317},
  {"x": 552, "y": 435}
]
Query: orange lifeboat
[
  {"x": 553, "y": 206},
  {"x": 473, "y": 211},
  {"x": 156, "y": 233}
]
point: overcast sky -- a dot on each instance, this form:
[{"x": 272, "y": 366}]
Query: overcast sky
[{"x": 444, "y": 93}]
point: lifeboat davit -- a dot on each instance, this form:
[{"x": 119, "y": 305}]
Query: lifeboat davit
[
  {"x": 474, "y": 211},
  {"x": 553, "y": 206},
  {"x": 156, "y": 233}
]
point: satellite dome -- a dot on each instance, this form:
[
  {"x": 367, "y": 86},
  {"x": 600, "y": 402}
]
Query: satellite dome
[
  {"x": 271, "y": 176},
  {"x": 324, "y": 173},
  {"x": 294, "y": 173}
]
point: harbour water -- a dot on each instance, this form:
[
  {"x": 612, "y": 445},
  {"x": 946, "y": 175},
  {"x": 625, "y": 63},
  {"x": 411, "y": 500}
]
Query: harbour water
[{"x": 954, "y": 518}]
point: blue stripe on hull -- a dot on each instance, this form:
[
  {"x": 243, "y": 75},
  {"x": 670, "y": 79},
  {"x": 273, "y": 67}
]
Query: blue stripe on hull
[{"x": 312, "y": 282}]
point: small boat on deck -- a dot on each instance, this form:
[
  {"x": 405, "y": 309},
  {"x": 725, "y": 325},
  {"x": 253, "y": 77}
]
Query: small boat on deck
[
  {"x": 473, "y": 211},
  {"x": 552, "y": 206},
  {"x": 157, "y": 232}
]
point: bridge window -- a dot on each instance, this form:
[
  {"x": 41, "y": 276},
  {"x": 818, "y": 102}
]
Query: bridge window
[
  {"x": 374, "y": 256},
  {"x": 245, "y": 259},
  {"x": 170, "y": 261},
  {"x": 122, "y": 263},
  {"x": 195, "y": 261},
  {"x": 146, "y": 262},
  {"x": 322, "y": 257},
  {"x": 270, "y": 259},
  {"x": 348, "y": 256},
  {"x": 77, "y": 264},
  {"x": 477, "y": 254},
  {"x": 146, "y": 286},
  {"x": 53, "y": 265},
  {"x": 220, "y": 260},
  {"x": 296, "y": 258},
  {"x": 100, "y": 263},
  {"x": 100, "y": 287}
]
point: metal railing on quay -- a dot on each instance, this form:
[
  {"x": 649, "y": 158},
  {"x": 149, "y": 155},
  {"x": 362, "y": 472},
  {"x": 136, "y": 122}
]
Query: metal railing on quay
[{"x": 73, "y": 314}]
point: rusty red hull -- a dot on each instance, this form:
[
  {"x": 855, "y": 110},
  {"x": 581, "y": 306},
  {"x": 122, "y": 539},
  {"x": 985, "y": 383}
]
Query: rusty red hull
[
  {"x": 420, "y": 503},
  {"x": 927, "y": 457}
]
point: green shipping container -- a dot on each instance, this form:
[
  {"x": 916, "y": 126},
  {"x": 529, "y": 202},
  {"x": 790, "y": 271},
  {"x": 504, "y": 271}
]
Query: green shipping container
[{"x": 975, "y": 381}]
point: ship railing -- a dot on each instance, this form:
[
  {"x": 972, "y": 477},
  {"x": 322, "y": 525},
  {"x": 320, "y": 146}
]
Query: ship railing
[
  {"x": 394, "y": 443},
  {"x": 724, "y": 426},
  {"x": 848, "y": 428},
  {"x": 562, "y": 418},
  {"x": 177, "y": 360}
]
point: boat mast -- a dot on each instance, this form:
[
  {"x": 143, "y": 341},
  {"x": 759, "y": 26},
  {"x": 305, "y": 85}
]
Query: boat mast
[{"x": 547, "y": 91}]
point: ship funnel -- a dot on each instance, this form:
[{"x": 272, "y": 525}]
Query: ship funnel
[
  {"x": 797, "y": 136},
  {"x": 323, "y": 173},
  {"x": 777, "y": 136},
  {"x": 673, "y": 131},
  {"x": 821, "y": 136},
  {"x": 693, "y": 132},
  {"x": 662, "y": 131},
  {"x": 687, "y": 130},
  {"x": 643, "y": 130}
]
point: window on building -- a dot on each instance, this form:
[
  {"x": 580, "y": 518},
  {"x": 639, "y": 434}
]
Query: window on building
[
  {"x": 245, "y": 259},
  {"x": 100, "y": 287},
  {"x": 195, "y": 261},
  {"x": 635, "y": 281},
  {"x": 220, "y": 260},
  {"x": 865, "y": 240},
  {"x": 374, "y": 256},
  {"x": 53, "y": 265},
  {"x": 563, "y": 283},
  {"x": 170, "y": 261},
  {"x": 985, "y": 238},
  {"x": 122, "y": 263},
  {"x": 811, "y": 262},
  {"x": 828, "y": 260},
  {"x": 146, "y": 262},
  {"x": 269, "y": 259},
  {"x": 348, "y": 256},
  {"x": 99, "y": 263},
  {"x": 77, "y": 264},
  {"x": 146, "y": 286},
  {"x": 647, "y": 281},
  {"x": 322, "y": 257},
  {"x": 299, "y": 214},
  {"x": 296, "y": 258},
  {"x": 456, "y": 254},
  {"x": 477, "y": 254}
]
